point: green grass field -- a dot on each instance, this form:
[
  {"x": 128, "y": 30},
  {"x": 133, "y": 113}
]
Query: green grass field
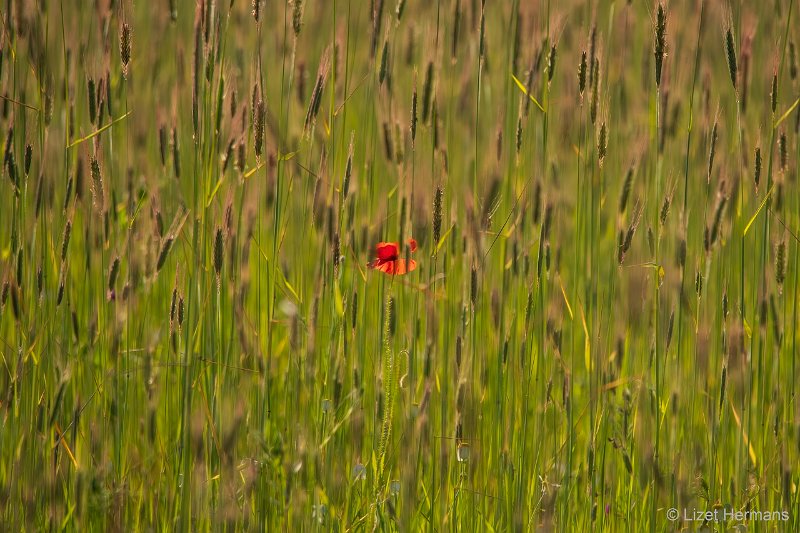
[{"x": 601, "y": 329}]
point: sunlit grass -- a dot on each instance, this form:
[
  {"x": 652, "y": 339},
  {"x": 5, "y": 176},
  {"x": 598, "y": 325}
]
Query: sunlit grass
[{"x": 199, "y": 330}]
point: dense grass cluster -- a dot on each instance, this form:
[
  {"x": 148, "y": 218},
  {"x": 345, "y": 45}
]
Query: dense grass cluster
[{"x": 602, "y": 324}]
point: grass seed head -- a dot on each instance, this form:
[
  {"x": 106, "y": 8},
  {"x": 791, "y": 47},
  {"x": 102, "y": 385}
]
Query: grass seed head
[
  {"x": 91, "y": 91},
  {"x": 414, "y": 115},
  {"x": 98, "y": 190},
  {"x": 176, "y": 154},
  {"x": 384, "y": 63},
  {"x": 4, "y": 294},
  {"x": 537, "y": 202},
  {"x": 125, "y": 48},
  {"x": 783, "y": 151},
  {"x": 730, "y": 50},
  {"x": 551, "y": 63},
  {"x": 548, "y": 216},
  {"x": 219, "y": 252},
  {"x": 388, "y": 142},
  {"x": 11, "y": 166},
  {"x": 592, "y": 49},
  {"x": 112, "y": 275},
  {"x": 711, "y": 152},
  {"x": 661, "y": 41},
  {"x": 631, "y": 231},
  {"x": 725, "y": 303},
  {"x": 68, "y": 195},
  {"x": 399, "y": 140},
  {"x": 757, "y": 168},
  {"x": 297, "y": 16},
  {"x": 162, "y": 255},
  {"x": 593, "y": 104},
  {"x": 473, "y": 286},
  {"x": 100, "y": 104},
  {"x": 582, "y": 73},
  {"x": 259, "y": 119},
  {"x": 456, "y": 25},
  {"x": 162, "y": 144},
  {"x": 197, "y": 72},
  {"x": 780, "y": 264},
  {"x": 602, "y": 144},
  {"x": 28, "y": 159},
  {"x": 61, "y": 285},
  {"x": 715, "y": 227},
  {"x": 348, "y": 169},
  {"x": 626, "y": 190},
  {"x": 9, "y": 146},
  {"x": 427, "y": 93},
  {"x": 16, "y": 302},
  {"x": 774, "y": 93},
  {"x": 670, "y": 329},
  {"x": 665, "y": 205},
  {"x": 173, "y": 307},
  {"x": 482, "y": 38},
  {"x": 319, "y": 88},
  {"x": 337, "y": 254},
  {"x": 71, "y": 115},
  {"x": 437, "y": 215},
  {"x": 20, "y": 268}
]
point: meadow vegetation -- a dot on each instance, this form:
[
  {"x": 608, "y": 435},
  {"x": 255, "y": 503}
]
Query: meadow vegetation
[{"x": 602, "y": 321}]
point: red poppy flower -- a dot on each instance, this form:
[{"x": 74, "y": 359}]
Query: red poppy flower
[{"x": 388, "y": 260}]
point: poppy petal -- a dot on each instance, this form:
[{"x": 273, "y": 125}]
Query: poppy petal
[
  {"x": 388, "y": 260},
  {"x": 401, "y": 267},
  {"x": 398, "y": 267},
  {"x": 387, "y": 267},
  {"x": 387, "y": 251}
]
